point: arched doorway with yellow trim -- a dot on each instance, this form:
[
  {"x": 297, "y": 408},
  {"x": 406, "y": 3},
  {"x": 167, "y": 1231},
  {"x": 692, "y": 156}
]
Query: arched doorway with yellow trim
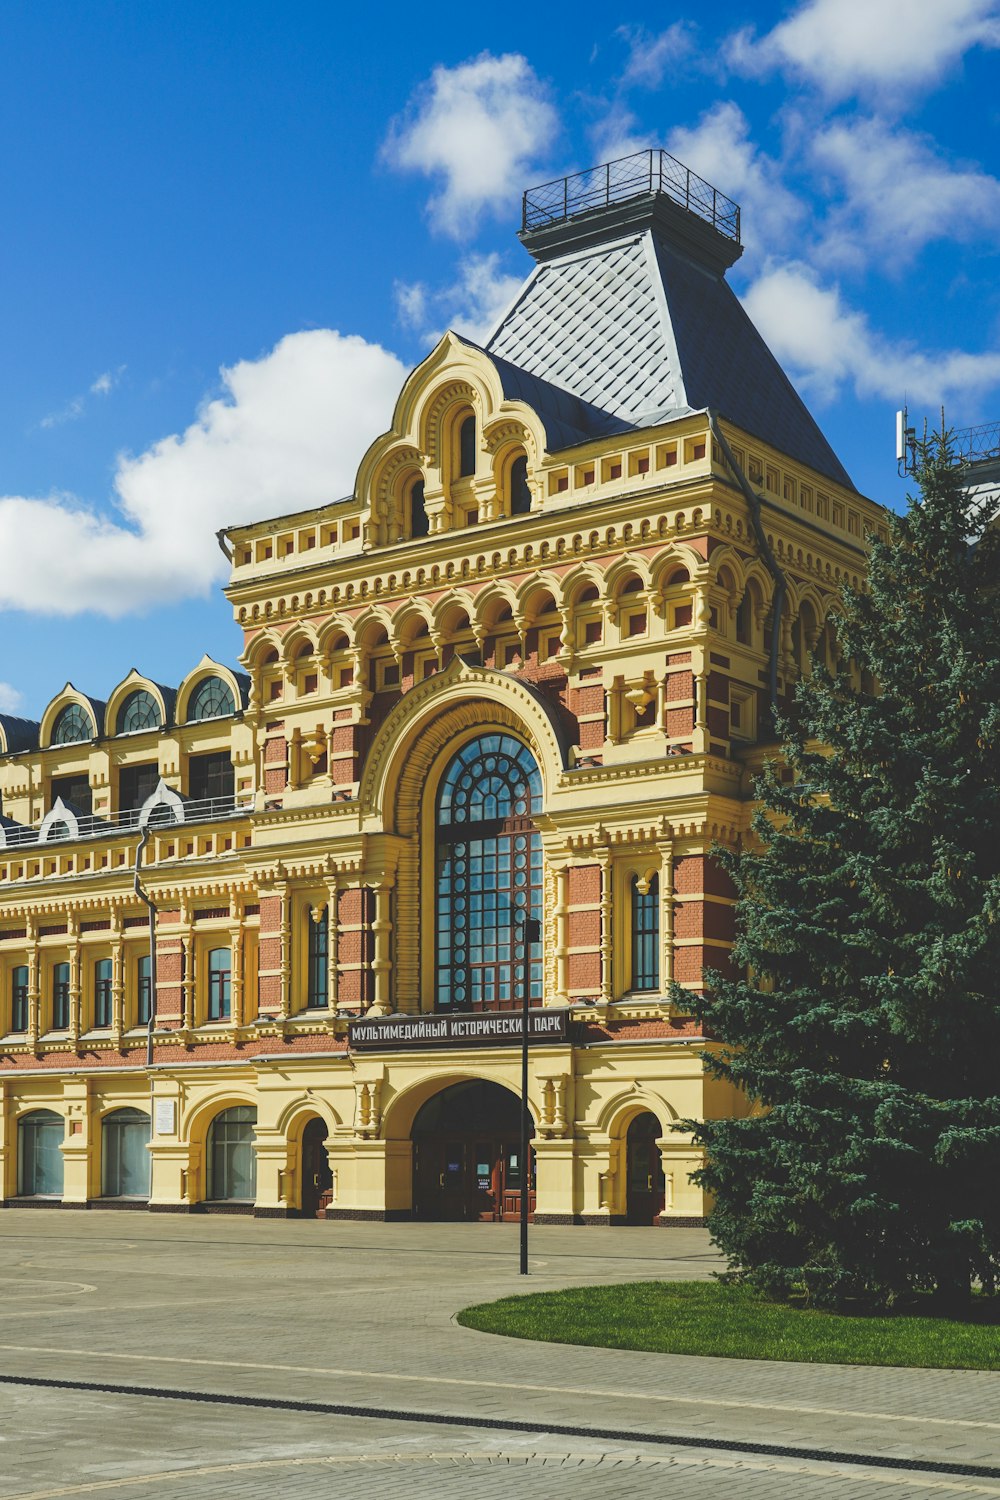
[{"x": 467, "y": 1155}]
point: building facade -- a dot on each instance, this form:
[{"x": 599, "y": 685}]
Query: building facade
[{"x": 492, "y": 712}]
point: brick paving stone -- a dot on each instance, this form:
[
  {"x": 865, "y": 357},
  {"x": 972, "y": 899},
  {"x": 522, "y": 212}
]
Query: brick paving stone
[{"x": 364, "y": 1314}]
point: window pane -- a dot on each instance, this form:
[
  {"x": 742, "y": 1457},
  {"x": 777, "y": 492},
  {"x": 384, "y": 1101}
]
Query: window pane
[
  {"x": 144, "y": 990},
  {"x": 40, "y": 1160},
  {"x": 232, "y": 1160},
  {"x": 126, "y": 1159},
  {"x": 646, "y": 935},
  {"x": 139, "y": 711},
  {"x": 318, "y": 981},
  {"x": 211, "y": 776},
  {"x": 489, "y": 876},
  {"x": 19, "y": 998},
  {"x": 72, "y": 725},
  {"x": 211, "y": 699}
]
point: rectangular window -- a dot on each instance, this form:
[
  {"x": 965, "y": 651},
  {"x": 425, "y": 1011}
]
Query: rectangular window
[
  {"x": 19, "y": 998},
  {"x": 102, "y": 992},
  {"x": 220, "y": 965},
  {"x": 144, "y": 990},
  {"x": 645, "y": 933},
  {"x": 317, "y": 994},
  {"x": 74, "y": 791},
  {"x": 135, "y": 784},
  {"x": 211, "y": 777},
  {"x": 60, "y": 997}
]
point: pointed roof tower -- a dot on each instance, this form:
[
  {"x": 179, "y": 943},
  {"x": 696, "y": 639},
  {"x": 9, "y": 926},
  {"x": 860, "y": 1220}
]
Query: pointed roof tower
[{"x": 628, "y": 309}]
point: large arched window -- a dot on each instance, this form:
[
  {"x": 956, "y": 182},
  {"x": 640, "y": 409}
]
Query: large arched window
[
  {"x": 139, "y": 711},
  {"x": 72, "y": 725},
  {"x": 211, "y": 699},
  {"x": 125, "y": 1159},
  {"x": 232, "y": 1161},
  {"x": 39, "y": 1154},
  {"x": 489, "y": 876}
]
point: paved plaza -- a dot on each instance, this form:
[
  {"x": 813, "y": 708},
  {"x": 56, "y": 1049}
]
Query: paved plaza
[{"x": 203, "y": 1358}]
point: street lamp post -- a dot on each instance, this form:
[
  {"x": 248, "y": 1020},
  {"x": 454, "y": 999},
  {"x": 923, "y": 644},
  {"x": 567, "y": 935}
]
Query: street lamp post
[{"x": 530, "y": 934}]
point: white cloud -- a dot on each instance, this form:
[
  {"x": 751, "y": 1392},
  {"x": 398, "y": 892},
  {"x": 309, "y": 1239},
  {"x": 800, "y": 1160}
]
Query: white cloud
[
  {"x": 477, "y": 128},
  {"x": 471, "y": 305},
  {"x": 652, "y": 56},
  {"x": 879, "y": 48},
  {"x": 11, "y": 701},
  {"x": 287, "y": 434},
  {"x": 899, "y": 193},
  {"x": 828, "y": 346},
  {"x": 719, "y": 148},
  {"x": 618, "y": 133},
  {"x": 102, "y": 386}
]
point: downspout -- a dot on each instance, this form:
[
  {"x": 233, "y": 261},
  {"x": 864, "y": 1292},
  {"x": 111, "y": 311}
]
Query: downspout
[
  {"x": 151, "y": 907},
  {"x": 767, "y": 555}
]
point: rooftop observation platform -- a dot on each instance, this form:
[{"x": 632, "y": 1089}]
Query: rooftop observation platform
[
  {"x": 647, "y": 187},
  {"x": 976, "y": 450}
]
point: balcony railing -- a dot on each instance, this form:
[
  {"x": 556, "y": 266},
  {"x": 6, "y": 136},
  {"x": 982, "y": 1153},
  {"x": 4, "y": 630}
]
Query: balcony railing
[
  {"x": 88, "y": 826},
  {"x": 630, "y": 177}
]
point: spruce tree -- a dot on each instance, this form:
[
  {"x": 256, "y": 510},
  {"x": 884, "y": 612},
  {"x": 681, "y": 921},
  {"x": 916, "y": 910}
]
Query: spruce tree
[{"x": 865, "y": 1031}]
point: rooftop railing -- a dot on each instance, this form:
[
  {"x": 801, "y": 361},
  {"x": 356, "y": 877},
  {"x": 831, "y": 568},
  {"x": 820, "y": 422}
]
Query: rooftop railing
[
  {"x": 633, "y": 176},
  {"x": 969, "y": 445},
  {"x": 89, "y": 826}
]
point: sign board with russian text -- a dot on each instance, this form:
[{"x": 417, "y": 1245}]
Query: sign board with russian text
[{"x": 463, "y": 1029}]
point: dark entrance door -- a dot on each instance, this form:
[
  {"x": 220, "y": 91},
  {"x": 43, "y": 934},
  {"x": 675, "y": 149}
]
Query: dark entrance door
[
  {"x": 645, "y": 1183},
  {"x": 317, "y": 1179},
  {"x": 466, "y": 1155}
]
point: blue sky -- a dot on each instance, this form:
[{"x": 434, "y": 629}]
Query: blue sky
[{"x": 230, "y": 229}]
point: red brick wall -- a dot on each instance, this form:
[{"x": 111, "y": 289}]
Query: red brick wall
[{"x": 583, "y": 885}]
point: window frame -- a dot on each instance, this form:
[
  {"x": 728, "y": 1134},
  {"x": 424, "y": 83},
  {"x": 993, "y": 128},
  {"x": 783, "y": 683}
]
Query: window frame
[
  {"x": 103, "y": 980},
  {"x": 60, "y": 980},
  {"x": 219, "y": 985},
  {"x": 644, "y": 933},
  {"x": 19, "y": 991}
]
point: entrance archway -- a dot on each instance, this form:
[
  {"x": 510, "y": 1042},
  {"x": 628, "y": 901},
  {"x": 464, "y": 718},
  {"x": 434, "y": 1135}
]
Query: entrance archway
[
  {"x": 467, "y": 1155},
  {"x": 316, "y": 1179},
  {"x": 645, "y": 1184}
]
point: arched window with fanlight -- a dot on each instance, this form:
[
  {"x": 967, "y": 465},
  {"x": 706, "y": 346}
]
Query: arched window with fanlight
[
  {"x": 211, "y": 699},
  {"x": 73, "y": 724},
  {"x": 140, "y": 710},
  {"x": 488, "y": 876}
]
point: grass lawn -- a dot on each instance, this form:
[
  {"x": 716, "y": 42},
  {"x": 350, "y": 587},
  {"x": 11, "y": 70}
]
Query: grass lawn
[{"x": 702, "y": 1317}]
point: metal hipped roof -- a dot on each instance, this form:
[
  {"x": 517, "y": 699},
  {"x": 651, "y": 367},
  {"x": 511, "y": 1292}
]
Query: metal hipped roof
[{"x": 640, "y": 333}]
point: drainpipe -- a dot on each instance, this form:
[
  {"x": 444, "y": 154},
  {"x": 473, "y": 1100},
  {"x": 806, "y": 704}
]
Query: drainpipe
[
  {"x": 151, "y": 907},
  {"x": 753, "y": 501}
]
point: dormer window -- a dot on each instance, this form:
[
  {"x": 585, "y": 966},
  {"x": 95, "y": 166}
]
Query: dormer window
[
  {"x": 467, "y": 447},
  {"x": 419, "y": 523},
  {"x": 73, "y": 725}
]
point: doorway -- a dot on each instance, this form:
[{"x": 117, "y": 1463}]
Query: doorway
[
  {"x": 317, "y": 1178},
  {"x": 645, "y": 1182},
  {"x": 467, "y": 1156}
]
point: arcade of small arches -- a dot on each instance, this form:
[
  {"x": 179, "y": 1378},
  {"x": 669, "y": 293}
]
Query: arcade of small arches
[
  {"x": 564, "y": 619},
  {"x": 449, "y": 1148}
]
